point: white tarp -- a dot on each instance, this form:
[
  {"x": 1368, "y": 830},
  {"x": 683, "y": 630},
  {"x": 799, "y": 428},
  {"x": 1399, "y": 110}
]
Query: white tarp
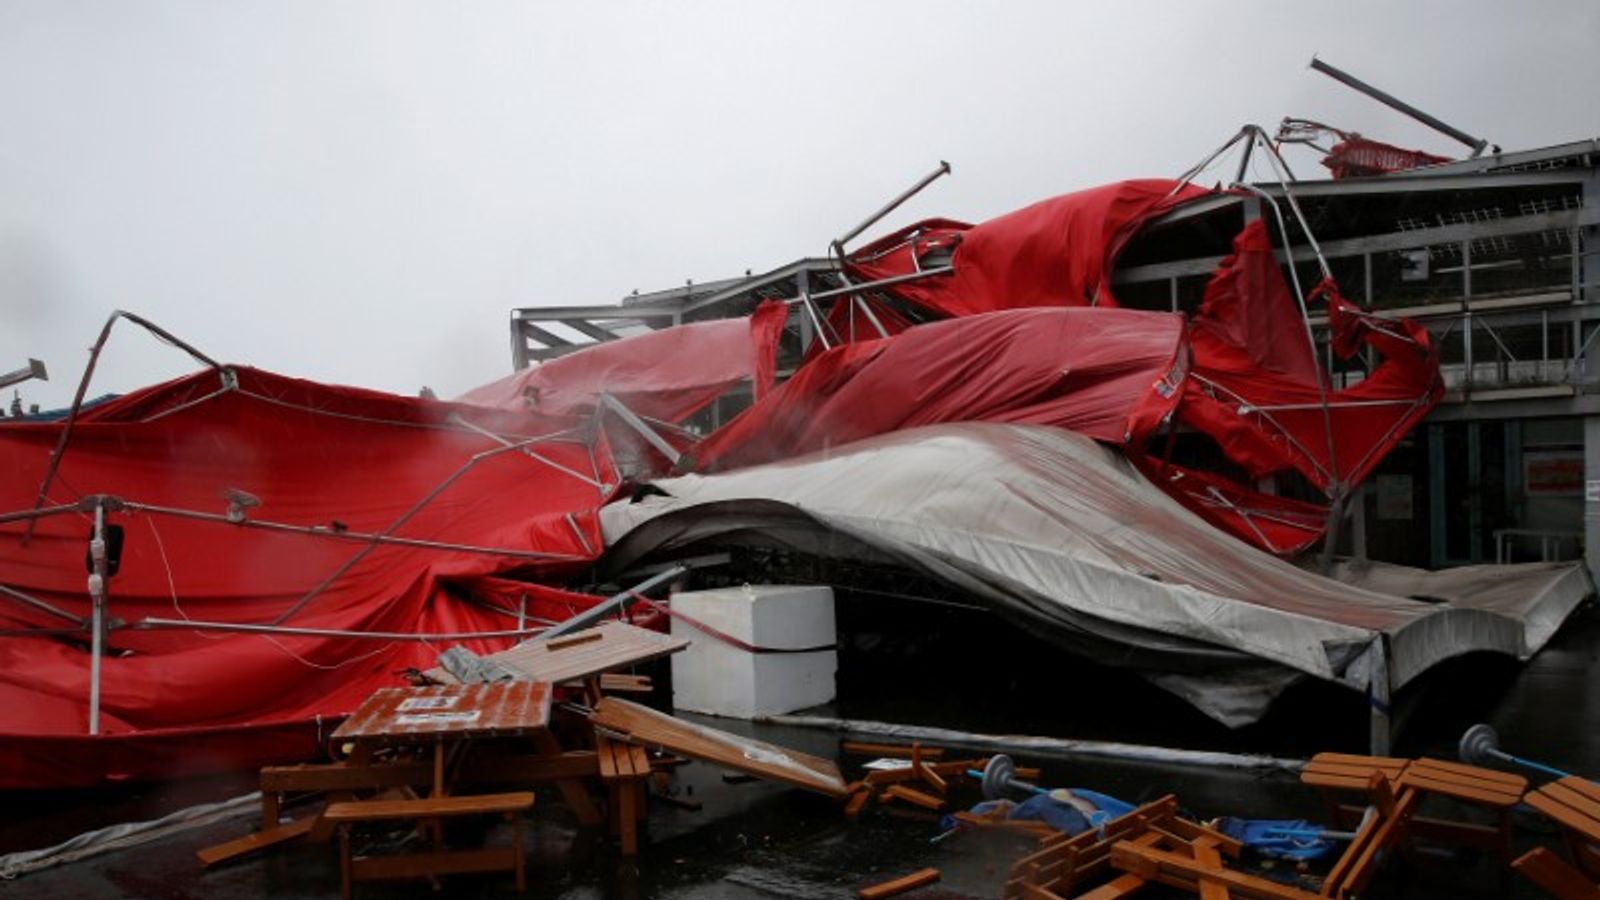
[{"x": 1063, "y": 530}]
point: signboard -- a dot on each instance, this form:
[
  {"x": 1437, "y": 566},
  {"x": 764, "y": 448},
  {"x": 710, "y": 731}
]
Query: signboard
[{"x": 1553, "y": 473}]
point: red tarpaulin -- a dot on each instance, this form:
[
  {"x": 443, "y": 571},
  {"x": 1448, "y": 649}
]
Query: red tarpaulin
[
  {"x": 1054, "y": 253},
  {"x": 669, "y": 374},
  {"x": 1109, "y": 374},
  {"x": 1255, "y": 387},
  {"x": 341, "y": 460}
]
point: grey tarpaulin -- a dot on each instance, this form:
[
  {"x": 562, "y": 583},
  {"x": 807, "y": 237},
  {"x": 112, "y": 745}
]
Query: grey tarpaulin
[{"x": 1062, "y": 533}]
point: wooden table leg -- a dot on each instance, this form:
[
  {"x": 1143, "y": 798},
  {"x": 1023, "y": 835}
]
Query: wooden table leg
[
  {"x": 271, "y": 809},
  {"x": 344, "y": 862},
  {"x": 522, "y": 854},
  {"x": 572, "y": 790}
]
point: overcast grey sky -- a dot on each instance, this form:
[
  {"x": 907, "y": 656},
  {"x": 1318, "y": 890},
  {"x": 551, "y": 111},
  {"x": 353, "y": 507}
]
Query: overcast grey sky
[{"x": 359, "y": 192}]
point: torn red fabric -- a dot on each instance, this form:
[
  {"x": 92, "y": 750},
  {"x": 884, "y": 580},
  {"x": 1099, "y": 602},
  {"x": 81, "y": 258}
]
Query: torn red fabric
[
  {"x": 1054, "y": 253},
  {"x": 1109, "y": 374},
  {"x": 1268, "y": 421},
  {"x": 1255, "y": 386},
  {"x": 342, "y": 461},
  {"x": 669, "y": 374},
  {"x": 1247, "y": 305},
  {"x": 1276, "y": 524},
  {"x": 1356, "y": 156}
]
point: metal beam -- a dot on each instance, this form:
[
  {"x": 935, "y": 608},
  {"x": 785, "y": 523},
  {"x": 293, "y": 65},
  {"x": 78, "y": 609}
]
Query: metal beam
[
  {"x": 1393, "y": 240},
  {"x": 589, "y": 329}
]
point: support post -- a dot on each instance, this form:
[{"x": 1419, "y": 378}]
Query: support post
[
  {"x": 97, "y": 597},
  {"x": 1378, "y": 698}
]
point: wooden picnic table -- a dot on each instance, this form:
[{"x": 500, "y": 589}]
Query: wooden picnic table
[{"x": 445, "y": 715}]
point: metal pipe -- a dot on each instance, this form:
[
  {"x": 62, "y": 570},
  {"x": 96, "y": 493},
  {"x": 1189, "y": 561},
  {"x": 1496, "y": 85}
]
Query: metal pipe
[
  {"x": 1345, "y": 78},
  {"x": 891, "y": 206},
  {"x": 155, "y": 623},
  {"x": 83, "y": 388},
  {"x": 360, "y": 537},
  {"x": 97, "y": 596},
  {"x": 36, "y": 603},
  {"x": 872, "y": 285},
  {"x": 1042, "y": 746},
  {"x": 596, "y": 613}
]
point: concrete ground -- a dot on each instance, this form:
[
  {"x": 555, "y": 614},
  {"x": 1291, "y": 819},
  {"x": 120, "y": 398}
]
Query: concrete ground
[{"x": 760, "y": 840}]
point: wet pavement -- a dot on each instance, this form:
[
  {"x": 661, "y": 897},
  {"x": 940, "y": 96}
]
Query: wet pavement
[{"x": 755, "y": 840}]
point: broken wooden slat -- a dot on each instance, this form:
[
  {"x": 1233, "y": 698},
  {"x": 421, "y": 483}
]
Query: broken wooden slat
[
  {"x": 914, "y": 797},
  {"x": 1555, "y": 875},
  {"x": 582, "y": 637},
  {"x": 646, "y": 726},
  {"x": 260, "y": 840},
  {"x": 919, "y": 878}
]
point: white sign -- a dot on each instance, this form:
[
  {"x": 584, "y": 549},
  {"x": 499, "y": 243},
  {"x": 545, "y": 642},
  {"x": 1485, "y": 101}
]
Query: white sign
[
  {"x": 438, "y": 718},
  {"x": 411, "y": 703}
]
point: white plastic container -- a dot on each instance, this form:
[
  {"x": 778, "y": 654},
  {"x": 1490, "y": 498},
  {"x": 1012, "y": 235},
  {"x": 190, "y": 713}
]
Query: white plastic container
[{"x": 715, "y": 677}]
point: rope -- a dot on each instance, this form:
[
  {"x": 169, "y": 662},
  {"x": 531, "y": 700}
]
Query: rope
[{"x": 723, "y": 636}]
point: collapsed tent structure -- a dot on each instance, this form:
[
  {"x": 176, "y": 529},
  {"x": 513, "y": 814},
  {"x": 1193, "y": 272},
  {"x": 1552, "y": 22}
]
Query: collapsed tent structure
[{"x": 266, "y": 551}]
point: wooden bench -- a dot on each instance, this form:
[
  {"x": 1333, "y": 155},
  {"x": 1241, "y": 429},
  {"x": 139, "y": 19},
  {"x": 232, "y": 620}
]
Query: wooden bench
[
  {"x": 1067, "y": 863},
  {"x": 1488, "y": 789},
  {"x": 624, "y": 768},
  {"x": 438, "y": 861},
  {"x": 1339, "y": 777},
  {"x": 1572, "y": 803}
]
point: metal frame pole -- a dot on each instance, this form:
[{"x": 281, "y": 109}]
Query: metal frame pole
[
  {"x": 595, "y": 613},
  {"x": 891, "y": 206},
  {"x": 1378, "y": 698},
  {"x": 97, "y": 597},
  {"x": 1345, "y": 78}
]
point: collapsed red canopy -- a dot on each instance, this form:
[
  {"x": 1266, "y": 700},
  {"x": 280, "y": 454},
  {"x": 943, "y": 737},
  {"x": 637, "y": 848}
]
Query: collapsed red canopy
[
  {"x": 1110, "y": 374},
  {"x": 669, "y": 374},
  {"x": 1255, "y": 388},
  {"x": 340, "y": 459},
  {"x": 1054, "y": 253}
]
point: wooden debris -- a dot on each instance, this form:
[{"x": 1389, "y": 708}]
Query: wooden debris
[
  {"x": 919, "y": 878},
  {"x": 260, "y": 840},
  {"x": 645, "y": 726},
  {"x": 914, "y": 797},
  {"x": 890, "y": 751}
]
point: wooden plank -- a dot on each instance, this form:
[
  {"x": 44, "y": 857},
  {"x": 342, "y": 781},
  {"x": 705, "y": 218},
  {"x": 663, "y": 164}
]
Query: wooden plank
[
  {"x": 1562, "y": 814},
  {"x": 918, "y": 765},
  {"x": 619, "y": 646},
  {"x": 607, "y": 757},
  {"x": 1476, "y": 774},
  {"x": 646, "y": 726},
  {"x": 858, "y": 802},
  {"x": 573, "y": 640},
  {"x": 1182, "y": 872},
  {"x": 428, "y": 807},
  {"x": 914, "y": 797},
  {"x": 1205, "y": 854},
  {"x": 1554, "y": 875},
  {"x": 1122, "y": 886},
  {"x": 260, "y": 840},
  {"x": 919, "y": 878},
  {"x": 1487, "y": 795},
  {"x": 504, "y": 708},
  {"x": 1194, "y": 832},
  {"x": 572, "y": 790},
  {"x": 1563, "y": 793}
]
